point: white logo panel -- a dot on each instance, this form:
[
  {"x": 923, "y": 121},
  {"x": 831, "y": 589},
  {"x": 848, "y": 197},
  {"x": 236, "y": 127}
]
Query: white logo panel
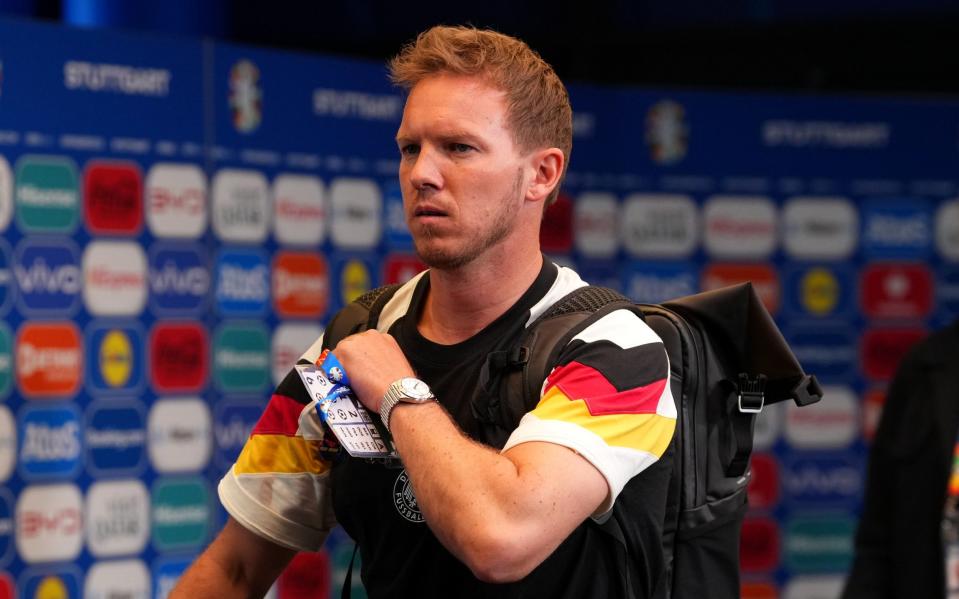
[
  {"x": 299, "y": 209},
  {"x": 176, "y": 203},
  {"x": 49, "y": 523},
  {"x": 357, "y": 219},
  {"x": 126, "y": 579},
  {"x": 739, "y": 227},
  {"x": 659, "y": 225},
  {"x": 6, "y": 194},
  {"x": 241, "y": 206},
  {"x": 947, "y": 229},
  {"x": 832, "y": 423},
  {"x": 114, "y": 278},
  {"x": 814, "y": 587},
  {"x": 768, "y": 427},
  {"x": 180, "y": 435},
  {"x": 8, "y": 443},
  {"x": 820, "y": 228},
  {"x": 596, "y": 225},
  {"x": 290, "y": 341},
  {"x": 117, "y": 518}
]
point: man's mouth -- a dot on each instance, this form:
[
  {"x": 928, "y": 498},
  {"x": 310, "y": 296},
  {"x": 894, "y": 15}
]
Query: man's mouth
[{"x": 427, "y": 211}]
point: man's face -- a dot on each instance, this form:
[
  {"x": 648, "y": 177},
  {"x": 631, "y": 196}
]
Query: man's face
[{"x": 461, "y": 175}]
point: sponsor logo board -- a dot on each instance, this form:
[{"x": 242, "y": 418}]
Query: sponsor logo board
[
  {"x": 759, "y": 545},
  {"x": 179, "y": 361},
  {"x": 400, "y": 268},
  {"x": 8, "y": 443},
  {"x": 596, "y": 224},
  {"x": 739, "y": 227},
  {"x": 652, "y": 283},
  {"x": 819, "y": 228},
  {"x": 883, "y": 349},
  {"x": 49, "y": 523},
  {"x": 114, "y": 278},
  {"x": 175, "y": 199},
  {"x": 117, "y": 518},
  {"x": 48, "y": 277},
  {"x": 49, "y": 442},
  {"x": 290, "y": 341},
  {"x": 180, "y": 435},
  {"x": 763, "y": 489},
  {"x": 556, "y": 230},
  {"x": 762, "y": 276},
  {"x": 396, "y": 233},
  {"x": 6, "y": 193},
  {"x": 242, "y": 283},
  {"x": 241, "y": 357},
  {"x": 179, "y": 279},
  {"x": 115, "y": 438},
  {"x": 819, "y": 544},
  {"x": 299, "y": 204},
  {"x": 6, "y": 360},
  {"x": 659, "y": 225},
  {"x": 829, "y": 424},
  {"x": 46, "y": 194},
  {"x": 241, "y": 206},
  {"x": 124, "y": 579},
  {"x": 300, "y": 284},
  {"x": 818, "y": 290},
  {"x": 896, "y": 229},
  {"x": 896, "y": 290},
  {"x": 947, "y": 229},
  {"x": 829, "y": 350},
  {"x": 8, "y": 285},
  {"x": 112, "y": 198},
  {"x": 233, "y": 422},
  {"x": 115, "y": 357},
  {"x": 356, "y": 206},
  {"x": 181, "y": 513},
  {"x": 49, "y": 360},
  {"x": 822, "y": 481}
]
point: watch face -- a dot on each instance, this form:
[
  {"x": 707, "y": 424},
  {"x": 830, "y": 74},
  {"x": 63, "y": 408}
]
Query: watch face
[{"x": 415, "y": 388}]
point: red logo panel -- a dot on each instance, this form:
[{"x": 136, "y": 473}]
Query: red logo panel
[
  {"x": 179, "y": 357},
  {"x": 307, "y": 577},
  {"x": 872, "y": 403},
  {"x": 301, "y": 285},
  {"x": 763, "y": 489},
  {"x": 49, "y": 359},
  {"x": 757, "y": 590},
  {"x": 759, "y": 545},
  {"x": 400, "y": 268},
  {"x": 7, "y": 589},
  {"x": 896, "y": 291},
  {"x": 112, "y": 198},
  {"x": 556, "y": 231},
  {"x": 883, "y": 349},
  {"x": 762, "y": 276}
]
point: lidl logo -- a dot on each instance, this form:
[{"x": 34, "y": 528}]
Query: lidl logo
[
  {"x": 300, "y": 284},
  {"x": 819, "y": 290},
  {"x": 123, "y": 579},
  {"x": 6, "y": 277},
  {"x": 114, "y": 278},
  {"x": 51, "y": 584},
  {"x": 896, "y": 290},
  {"x": 233, "y": 422},
  {"x": 6, "y": 360},
  {"x": 657, "y": 282},
  {"x": 827, "y": 350},
  {"x": 819, "y": 544},
  {"x": 179, "y": 361},
  {"x": 299, "y": 207},
  {"x": 48, "y": 277},
  {"x": 883, "y": 349},
  {"x": 115, "y": 438},
  {"x": 241, "y": 357},
  {"x": 179, "y": 279},
  {"x": 117, "y": 518},
  {"x": 355, "y": 277},
  {"x": 823, "y": 481},
  {"x": 763, "y": 277},
  {"x": 46, "y": 194},
  {"x": 400, "y": 268},
  {"x": 115, "y": 357},
  {"x": 556, "y": 230},
  {"x": 49, "y": 521},
  {"x": 6, "y": 527},
  {"x": 659, "y": 225},
  {"x": 176, "y": 201},
  {"x": 49, "y": 359},
  {"x": 897, "y": 229},
  {"x": 357, "y": 207},
  {"x": 166, "y": 572},
  {"x": 242, "y": 283},
  {"x": 596, "y": 224},
  {"x": 181, "y": 513},
  {"x": 759, "y": 545},
  {"x": 241, "y": 200},
  {"x": 50, "y": 445},
  {"x": 6, "y": 190},
  {"x": 397, "y": 234},
  {"x": 112, "y": 198}
]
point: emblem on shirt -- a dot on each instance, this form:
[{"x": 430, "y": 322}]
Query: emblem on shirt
[{"x": 405, "y": 500}]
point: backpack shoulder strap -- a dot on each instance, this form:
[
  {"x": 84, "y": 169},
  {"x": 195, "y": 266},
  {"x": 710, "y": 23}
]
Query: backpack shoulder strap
[{"x": 361, "y": 314}]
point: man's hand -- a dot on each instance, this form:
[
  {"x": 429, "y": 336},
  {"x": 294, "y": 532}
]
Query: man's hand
[{"x": 372, "y": 361}]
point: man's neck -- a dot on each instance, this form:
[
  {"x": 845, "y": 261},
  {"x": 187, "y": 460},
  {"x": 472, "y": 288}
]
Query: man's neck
[{"x": 464, "y": 301}]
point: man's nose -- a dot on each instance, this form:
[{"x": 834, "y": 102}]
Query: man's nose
[{"x": 425, "y": 171}]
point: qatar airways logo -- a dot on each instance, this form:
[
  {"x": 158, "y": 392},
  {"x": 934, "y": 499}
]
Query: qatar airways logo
[
  {"x": 114, "y": 274},
  {"x": 299, "y": 204}
]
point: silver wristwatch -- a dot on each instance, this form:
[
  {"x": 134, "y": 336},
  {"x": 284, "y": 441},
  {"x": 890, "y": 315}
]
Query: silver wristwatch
[{"x": 406, "y": 390}]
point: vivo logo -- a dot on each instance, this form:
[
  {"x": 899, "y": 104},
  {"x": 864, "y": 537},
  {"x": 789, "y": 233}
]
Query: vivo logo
[
  {"x": 40, "y": 277},
  {"x": 233, "y": 433},
  {"x": 169, "y": 278}
]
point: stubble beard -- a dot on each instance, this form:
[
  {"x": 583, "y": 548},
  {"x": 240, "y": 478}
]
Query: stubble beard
[{"x": 502, "y": 225}]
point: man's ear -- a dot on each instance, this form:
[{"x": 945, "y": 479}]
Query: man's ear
[{"x": 547, "y": 171}]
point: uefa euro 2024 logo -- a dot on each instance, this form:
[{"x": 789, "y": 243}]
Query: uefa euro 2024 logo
[{"x": 246, "y": 97}]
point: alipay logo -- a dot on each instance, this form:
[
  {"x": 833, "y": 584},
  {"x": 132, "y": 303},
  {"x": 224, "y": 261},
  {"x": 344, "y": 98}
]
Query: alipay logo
[
  {"x": 47, "y": 195},
  {"x": 49, "y": 442}
]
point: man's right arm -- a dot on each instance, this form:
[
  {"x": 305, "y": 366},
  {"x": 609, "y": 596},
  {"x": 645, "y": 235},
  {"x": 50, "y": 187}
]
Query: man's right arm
[{"x": 239, "y": 563}]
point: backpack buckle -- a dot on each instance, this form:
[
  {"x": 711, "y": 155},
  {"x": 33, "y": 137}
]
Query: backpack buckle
[{"x": 751, "y": 393}]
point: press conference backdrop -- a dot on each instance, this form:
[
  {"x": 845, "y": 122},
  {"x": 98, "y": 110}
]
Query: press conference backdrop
[{"x": 181, "y": 218}]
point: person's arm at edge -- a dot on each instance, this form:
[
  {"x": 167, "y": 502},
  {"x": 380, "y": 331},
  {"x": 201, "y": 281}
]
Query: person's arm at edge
[{"x": 238, "y": 563}]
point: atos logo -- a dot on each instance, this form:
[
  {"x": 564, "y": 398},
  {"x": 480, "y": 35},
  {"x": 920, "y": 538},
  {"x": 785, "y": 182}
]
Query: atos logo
[
  {"x": 233, "y": 422},
  {"x": 115, "y": 438},
  {"x": 241, "y": 206},
  {"x": 759, "y": 545},
  {"x": 117, "y": 518},
  {"x": 822, "y": 482},
  {"x": 7, "y": 288},
  {"x": 115, "y": 357},
  {"x": 50, "y": 442},
  {"x": 883, "y": 349},
  {"x": 896, "y": 290},
  {"x": 49, "y": 359},
  {"x": 820, "y": 544},
  {"x": 241, "y": 357},
  {"x": 112, "y": 198},
  {"x": 181, "y": 513},
  {"x": 166, "y": 572},
  {"x": 179, "y": 361},
  {"x": 355, "y": 276},
  {"x": 739, "y": 227},
  {"x": 820, "y": 228},
  {"x": 660, "y": 225},
  {"x": 357, "y": 208},
  {"x": 763, "y": 489},
  {"x": 653, "y": 283},
  {"x": 397, "y": 232},
  {"x": 829, "y": 424},
  {"x": 763, "y": 277},
  {"x": 400, "y": 268},
  {"x": 299, "y": 206},
  {"x": 596, "y": 224},
  {"x": 51, "y": 584},
  {"x": 242, "y": 283},
  {"x": 114, "y": 278},
  {"x": 556, "y": 230},
  {"x": 46, "y": 193},
  {"x": 301, "y": 285},
  {"x": 49, "y": 520},
  {"x": 6, "y": 527},
  {"x": 123, "y": 579},
  {"x": 819, "y": 291},
  {"x": 179, "y": 279},
  {"x": 897, "y": 229},
  {"x": 827, "y": 350},
  {"x": 48, "y": 277},
  {"x": 176, "y": 201}
]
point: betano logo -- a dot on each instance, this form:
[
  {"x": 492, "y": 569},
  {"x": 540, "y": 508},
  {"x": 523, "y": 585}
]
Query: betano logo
[
  {"x": 241, "y": 357},
  {"x": 181, "y": 513},
  {"x": 49, "y": 359},
  {"x": 48, "y": 277},
  {"x": 175, "y": 200},
  {"x": 241, "y": 200},
  {"x": 179, "y": 279},
  {"x": 300, "y": 284},
  {"x": 178, "y": 357},
  {"x": 112, "y": 198},
  {"x": 114, "y": 278},
  {"x": 50, "y": 442},
  {"x": 49, "y": 523},
  {"x": 46, "y": 193},
  {"x": 299, "y": 204}
]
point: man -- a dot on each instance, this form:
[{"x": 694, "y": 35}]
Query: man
[{"x": 484, "y": 142}]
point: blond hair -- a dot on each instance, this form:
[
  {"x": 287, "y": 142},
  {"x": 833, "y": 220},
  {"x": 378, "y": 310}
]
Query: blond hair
[{"x": 537, "y": 104}]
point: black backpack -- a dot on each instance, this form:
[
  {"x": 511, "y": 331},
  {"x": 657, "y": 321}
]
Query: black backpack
[{"x": 727, "y": 360}]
